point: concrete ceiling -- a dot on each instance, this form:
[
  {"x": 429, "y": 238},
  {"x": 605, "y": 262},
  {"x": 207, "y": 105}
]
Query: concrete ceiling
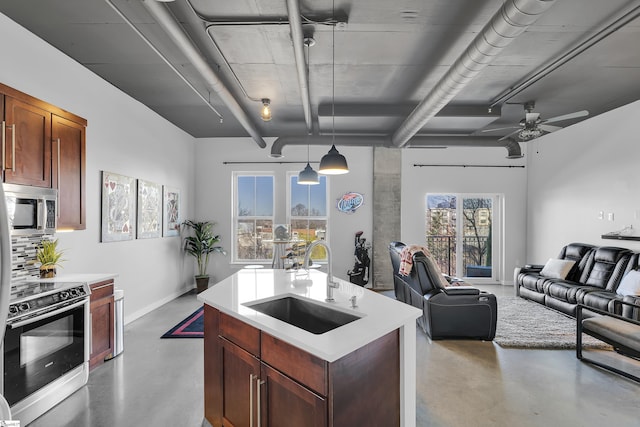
[{"x": 372, "y": 63}]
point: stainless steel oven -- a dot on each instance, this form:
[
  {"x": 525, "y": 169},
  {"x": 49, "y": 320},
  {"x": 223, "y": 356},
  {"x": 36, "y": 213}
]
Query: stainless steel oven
[{"x": 46, "y": 347}]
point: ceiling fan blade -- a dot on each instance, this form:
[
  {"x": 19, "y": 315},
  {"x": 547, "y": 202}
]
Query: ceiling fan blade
[
  {"x": 567, "y": 116},
  {"x": 496, "y": 129},
  {"x": 548, "y": 128},
  {"x": 509, "y": 134}
]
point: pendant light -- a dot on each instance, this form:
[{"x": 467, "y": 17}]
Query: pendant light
[
  {"x": 308, "y": 176},
  {"x": 333, "y": 163}
]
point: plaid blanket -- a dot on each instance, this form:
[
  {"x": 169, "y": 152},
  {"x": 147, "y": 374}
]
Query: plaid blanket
[{"x": 406, "y": 258}]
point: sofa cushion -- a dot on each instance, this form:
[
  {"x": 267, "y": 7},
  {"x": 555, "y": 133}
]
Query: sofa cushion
[
  {"x": 630, "y": 284},
  {"x": 557, "y": 268},
  {"x": 566, "y": 290},
  {"x": 605, "y": 267},
  {"x": 602, "y": 300}
]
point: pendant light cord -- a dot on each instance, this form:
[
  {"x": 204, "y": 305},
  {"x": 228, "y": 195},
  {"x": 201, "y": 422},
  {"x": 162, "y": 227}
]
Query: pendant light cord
[{"x": 333, "y": 74}]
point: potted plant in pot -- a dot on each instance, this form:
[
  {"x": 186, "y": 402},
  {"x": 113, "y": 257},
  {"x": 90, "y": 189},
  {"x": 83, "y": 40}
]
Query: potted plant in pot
[
  {"x": 201, "y": 244},
  {"x": 49, "y": 257}
]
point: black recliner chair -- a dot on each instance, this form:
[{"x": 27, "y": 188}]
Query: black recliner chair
[{"x": 447, "y": 312}]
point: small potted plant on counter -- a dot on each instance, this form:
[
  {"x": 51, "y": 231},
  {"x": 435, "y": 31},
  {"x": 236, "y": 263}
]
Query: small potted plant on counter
[
  {"x": 49, "y": 257},
  {"x": 201, "y": 245}
]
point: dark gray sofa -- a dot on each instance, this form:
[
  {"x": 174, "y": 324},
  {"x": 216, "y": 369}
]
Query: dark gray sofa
[{"x": 592, "y": 282}]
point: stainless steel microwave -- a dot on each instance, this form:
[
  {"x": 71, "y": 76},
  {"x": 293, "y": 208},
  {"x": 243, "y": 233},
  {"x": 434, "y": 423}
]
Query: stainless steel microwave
[{"x": 31, "y": 210}]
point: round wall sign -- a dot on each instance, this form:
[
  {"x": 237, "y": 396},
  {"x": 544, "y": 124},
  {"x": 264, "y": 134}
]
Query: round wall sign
[{"x": 349, "y": 202}]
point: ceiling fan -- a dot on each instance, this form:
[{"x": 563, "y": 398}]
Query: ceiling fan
[{"x": 532, "y": 126}]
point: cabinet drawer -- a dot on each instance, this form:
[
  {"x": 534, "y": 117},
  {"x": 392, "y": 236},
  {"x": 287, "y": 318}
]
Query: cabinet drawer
[
  {"x": 303, "y": 367},
  {"x": 101, "y": 290},
  {"x": 240, "y": 333}
]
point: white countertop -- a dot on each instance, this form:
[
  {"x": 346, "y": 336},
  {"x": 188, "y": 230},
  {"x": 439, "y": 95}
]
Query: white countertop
[
  {"x": 88, "y": 278},
  {"x": 379, "y": 314}
]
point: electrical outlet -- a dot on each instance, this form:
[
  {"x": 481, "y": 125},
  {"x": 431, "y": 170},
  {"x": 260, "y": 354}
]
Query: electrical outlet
[
  {"x": 610, "y": 216},
  {"x": 601, "y": 215}
]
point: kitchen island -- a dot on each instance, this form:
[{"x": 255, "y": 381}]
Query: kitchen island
[{"x": 260, "y": 370}]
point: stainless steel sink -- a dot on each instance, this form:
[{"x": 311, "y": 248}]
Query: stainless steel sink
[{"x": 310, "y": 316}]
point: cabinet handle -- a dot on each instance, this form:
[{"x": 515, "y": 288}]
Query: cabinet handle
[
  {"x": 102, "y": 286},
  {"x": 4, "y": 143},
  {"x": 58, "y": 178},
  {"x": 251, "y": 378},
  {"x": 258, "y": 386},
  {"x": 13, "y": 148}
]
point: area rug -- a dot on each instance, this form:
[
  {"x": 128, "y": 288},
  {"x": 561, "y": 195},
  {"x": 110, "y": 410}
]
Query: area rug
[
  {"x": 527, "y": 324},
  {"x": 191, "y": 327}
]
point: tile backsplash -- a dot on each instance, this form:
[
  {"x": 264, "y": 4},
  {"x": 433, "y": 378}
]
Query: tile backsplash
[{"x": 24, "y": 265}]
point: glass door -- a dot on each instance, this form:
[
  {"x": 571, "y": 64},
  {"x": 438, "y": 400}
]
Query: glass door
[{"x": 461, "y": 233}]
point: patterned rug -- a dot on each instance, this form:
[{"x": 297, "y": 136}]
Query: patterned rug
[
  {"x": 191, "y": 327},
  {"x": 527, "y": 324}
]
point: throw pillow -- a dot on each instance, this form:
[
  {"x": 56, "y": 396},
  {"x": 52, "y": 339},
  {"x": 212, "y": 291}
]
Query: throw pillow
[
  {"x": 557, "y": 268},
  {"x": 630, "y": 284}
]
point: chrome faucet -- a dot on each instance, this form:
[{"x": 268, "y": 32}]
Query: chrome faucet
[{"x": 331, "y": 285}]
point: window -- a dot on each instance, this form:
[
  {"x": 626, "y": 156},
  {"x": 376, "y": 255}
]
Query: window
[
  {"x": 253, "y": 217},
  {"x": 468, "y": 247},
  {"x": 308, "y": 212}
]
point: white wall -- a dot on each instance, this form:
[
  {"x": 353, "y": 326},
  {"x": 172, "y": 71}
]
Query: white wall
[
  {"x": 214, "y": 187},
  {"x": 123, "y": 136},
  {"x": 509, "y": 182},
  {"x": 577, "y": 172}
]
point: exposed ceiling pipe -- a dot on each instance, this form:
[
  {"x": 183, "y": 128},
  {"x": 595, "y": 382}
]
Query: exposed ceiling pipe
[
  {"x": 176, "y": 33},
  {"x": 297, "y": 36},
  {"x": 513, "y": 147},
  {"x": 513, "y": 18}
]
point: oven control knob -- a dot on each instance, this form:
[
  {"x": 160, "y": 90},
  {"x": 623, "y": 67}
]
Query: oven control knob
[
  {"x": 13, "y": 309},
  {"x": 64, "y": 295},
  {"x": 73, "y": 292},
  {"x": 24, "y": 306}
]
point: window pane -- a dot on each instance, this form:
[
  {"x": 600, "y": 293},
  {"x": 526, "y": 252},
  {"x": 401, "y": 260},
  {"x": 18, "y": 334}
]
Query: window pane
[
  {"x": 251, "y": 235},
  {"x": 318, "y": 198},
  {"x": 264, "y": 196},
  {"x": 299, "y": 198},
  {"x": 245, "y": 235},
  {"x": 246, "y": 196}
]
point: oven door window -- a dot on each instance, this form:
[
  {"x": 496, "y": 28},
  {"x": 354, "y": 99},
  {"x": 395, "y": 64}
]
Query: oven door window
[{"x": 40, "y": 352}]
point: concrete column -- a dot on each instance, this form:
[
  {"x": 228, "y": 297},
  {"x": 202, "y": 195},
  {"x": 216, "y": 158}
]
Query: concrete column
[{"x": 387, "y": 177}]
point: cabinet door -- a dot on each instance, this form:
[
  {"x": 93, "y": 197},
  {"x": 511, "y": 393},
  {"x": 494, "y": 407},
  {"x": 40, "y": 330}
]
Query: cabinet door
[
  {"x": 27, "y": 158},
  {"x": 69, "y": 172},
  {"x": 239, "y": 392},
  {"x": 102, "y": 322},
  {"x": 285, "y": 403}
]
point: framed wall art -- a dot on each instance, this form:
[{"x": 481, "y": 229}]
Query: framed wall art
[
  {"x": 171, "y": 215},
  {"x": 149, "y": 210},
  {"x": 118, "y": 207}
]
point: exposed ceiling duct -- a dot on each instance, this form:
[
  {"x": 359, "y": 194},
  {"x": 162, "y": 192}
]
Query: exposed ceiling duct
[
  {"x": 176, "y": 33},
  {"x": 510, "y": 21},
  {"x": 297, "y": 36},
  {"x": 513, "y": 148}
]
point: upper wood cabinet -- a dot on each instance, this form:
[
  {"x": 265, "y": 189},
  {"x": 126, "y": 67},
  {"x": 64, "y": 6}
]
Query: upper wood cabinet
[
  {"x": 26, "y": 140},
  {"x": 44, "y": 146},
  {"x": 68, "y": 172}
]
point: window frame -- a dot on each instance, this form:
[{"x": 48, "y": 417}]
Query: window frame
[{"x": 235, "y": 217}]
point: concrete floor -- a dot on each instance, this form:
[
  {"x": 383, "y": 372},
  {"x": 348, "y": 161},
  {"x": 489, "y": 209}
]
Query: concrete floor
[{"x": 158, "y": 382}]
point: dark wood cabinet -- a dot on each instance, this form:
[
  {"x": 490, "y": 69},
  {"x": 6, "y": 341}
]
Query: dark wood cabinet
[
  {"x": 251, "y": 374},
  {"x": 27, "y": 143},
  {"x": 44, "y": 146},
  {"x": 102, "y": 322},
  {"x": 68, "y": 172}
]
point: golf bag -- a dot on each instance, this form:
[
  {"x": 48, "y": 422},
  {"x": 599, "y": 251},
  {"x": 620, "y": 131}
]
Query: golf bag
[{"x": 360, "y": 273}]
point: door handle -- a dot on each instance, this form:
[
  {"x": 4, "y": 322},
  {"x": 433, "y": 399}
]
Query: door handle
[
  {"x": 251, "y": 378},
  {"x": 259, "y": 384}
]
